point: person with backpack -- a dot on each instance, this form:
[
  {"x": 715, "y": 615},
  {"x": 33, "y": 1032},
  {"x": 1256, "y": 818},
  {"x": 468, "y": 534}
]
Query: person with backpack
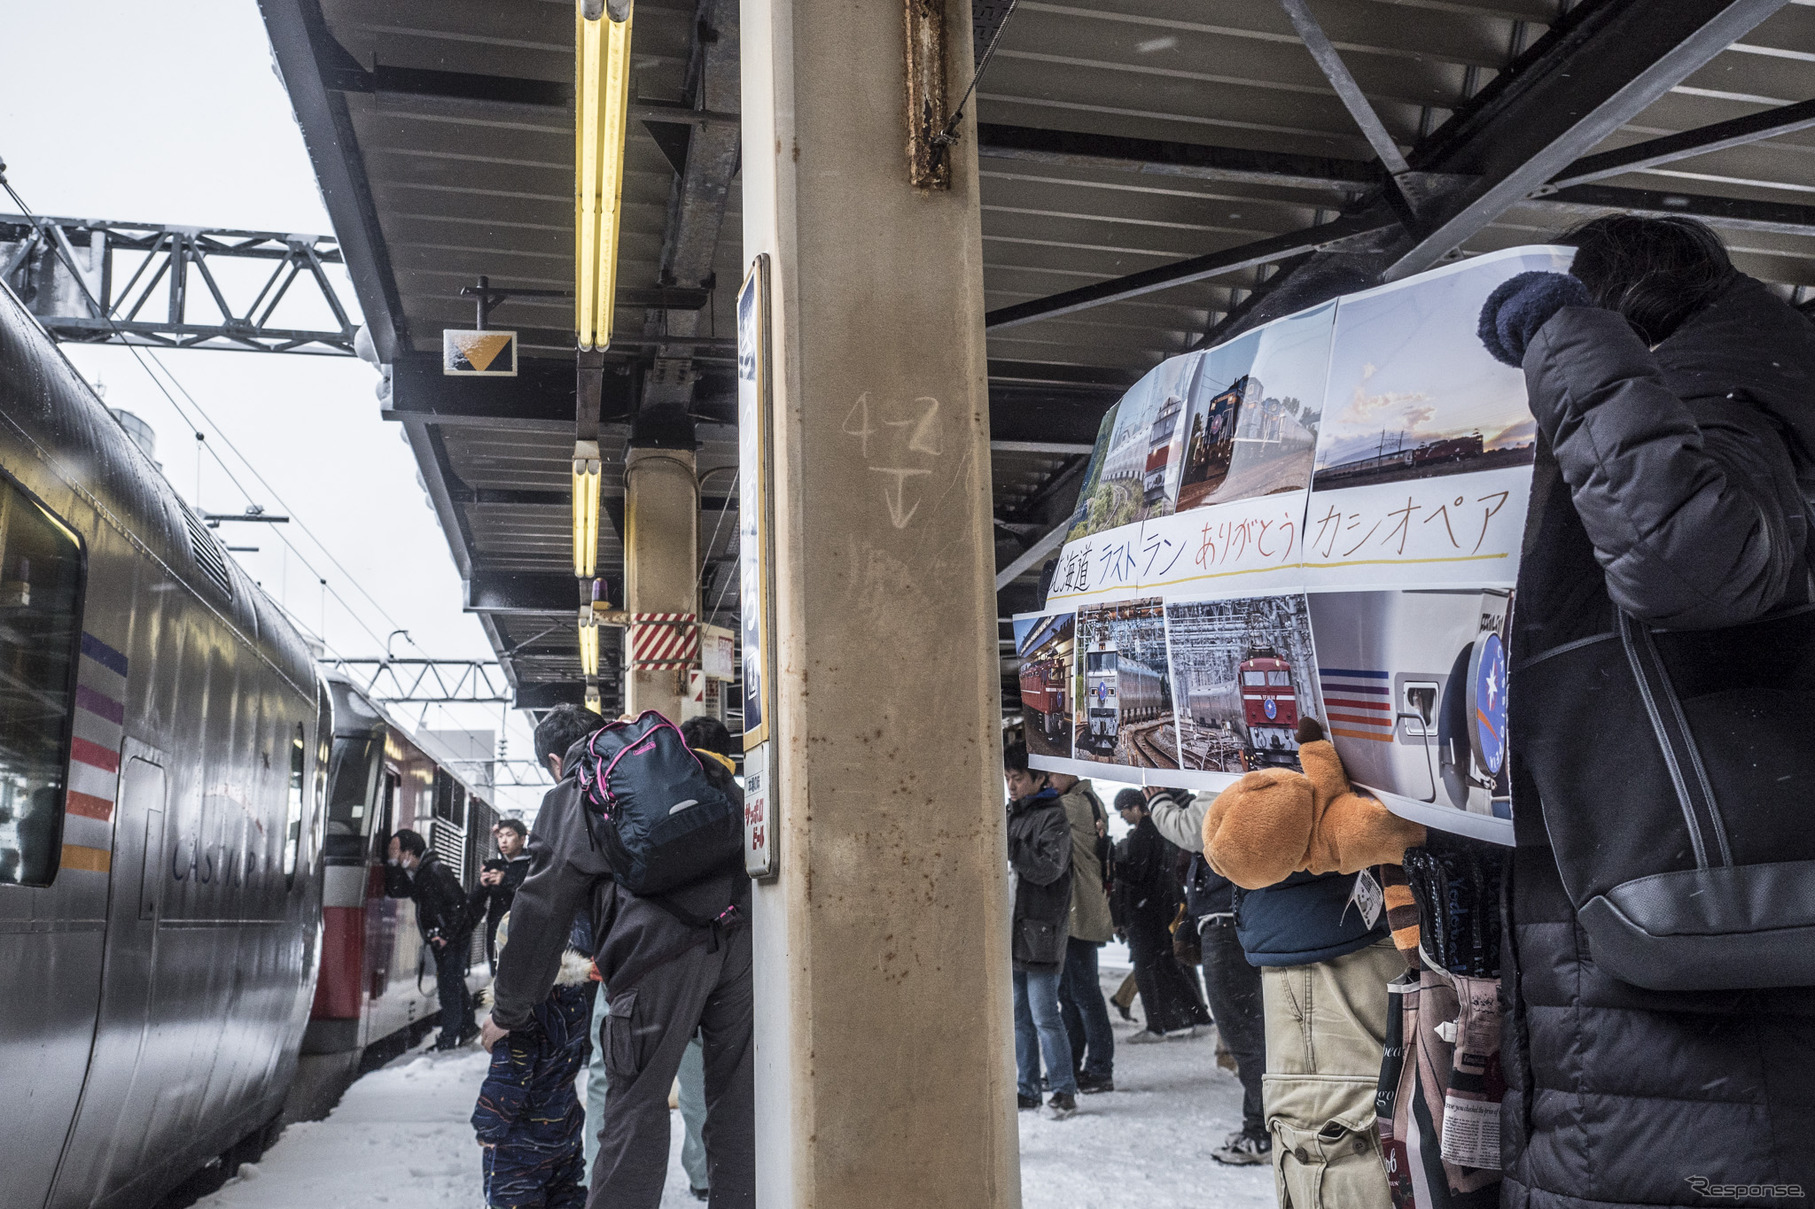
[
  {"x": 1675, "y": 406},
  {"x": 528, "y": 1119},
  {"x": 416, "y": 872},
  {"x": 648, "y": 838},
  {"x": 1231, "y": 984},
  {"x": 1039, "y": 862},
  {"x": 1091, "y": 927}
]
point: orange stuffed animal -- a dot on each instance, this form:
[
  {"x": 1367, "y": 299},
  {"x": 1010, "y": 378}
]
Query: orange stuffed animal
[{"x": 1276, "y": 822}]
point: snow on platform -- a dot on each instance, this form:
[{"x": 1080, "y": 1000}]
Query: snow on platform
[{"x": 400, "y": 1139}]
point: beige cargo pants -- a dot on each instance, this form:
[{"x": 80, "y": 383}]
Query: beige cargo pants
[{"x": 1325, "y": 1026}]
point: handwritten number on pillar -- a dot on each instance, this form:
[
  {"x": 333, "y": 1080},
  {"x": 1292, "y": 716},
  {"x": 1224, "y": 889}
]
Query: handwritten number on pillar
[{"x": 909, "y": 439}]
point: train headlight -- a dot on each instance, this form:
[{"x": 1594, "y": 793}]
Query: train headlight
[
  {"x": 601, "y": 110},
  {"x": 585, "y": 509}
]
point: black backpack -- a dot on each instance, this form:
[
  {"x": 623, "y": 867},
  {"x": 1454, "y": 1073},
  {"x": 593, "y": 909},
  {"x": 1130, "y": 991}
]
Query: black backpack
[
  {"x": 1676, "y": 777},
  {"x": 666, "y": 825}
]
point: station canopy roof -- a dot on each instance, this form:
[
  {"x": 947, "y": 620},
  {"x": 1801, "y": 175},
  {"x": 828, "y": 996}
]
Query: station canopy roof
[{"x": 1155, "y": 174}]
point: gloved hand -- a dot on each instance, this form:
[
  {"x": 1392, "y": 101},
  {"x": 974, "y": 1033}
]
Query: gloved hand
[{"x": 1521, "y": 305}]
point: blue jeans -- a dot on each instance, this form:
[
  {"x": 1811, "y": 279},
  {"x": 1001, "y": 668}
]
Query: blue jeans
[
  {"x": 1086, "y": 1015},
  {"x": 1040, "y": 1033}
]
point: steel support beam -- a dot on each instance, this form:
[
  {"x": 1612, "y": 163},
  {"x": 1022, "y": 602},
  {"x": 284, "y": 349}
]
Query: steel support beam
[
  {"x": 1162, "y": 157},
  {"x": 1785, "y": 119},
  {"x": 1263, "y": 251},
  {"x": 1603, "y": 70},
  {"x": 1735, "y": 213},
  {"x": 1347, "y": 90}
]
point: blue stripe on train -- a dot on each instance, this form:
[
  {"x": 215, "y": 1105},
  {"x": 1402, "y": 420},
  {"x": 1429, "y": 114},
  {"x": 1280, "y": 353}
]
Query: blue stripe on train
[{"x": 103, "y": 654}]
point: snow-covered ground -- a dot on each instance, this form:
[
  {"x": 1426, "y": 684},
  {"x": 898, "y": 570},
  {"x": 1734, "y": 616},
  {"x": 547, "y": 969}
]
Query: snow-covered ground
[{"x": 400, "y": 1140}]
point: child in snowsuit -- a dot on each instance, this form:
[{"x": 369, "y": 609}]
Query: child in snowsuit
[{"x": 529, "y": 1118}]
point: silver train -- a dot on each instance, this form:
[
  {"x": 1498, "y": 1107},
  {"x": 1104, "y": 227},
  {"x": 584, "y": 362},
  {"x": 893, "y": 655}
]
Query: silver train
[
  {"x": 162, "y": 771},
  {"x": 165, "y": 747}
]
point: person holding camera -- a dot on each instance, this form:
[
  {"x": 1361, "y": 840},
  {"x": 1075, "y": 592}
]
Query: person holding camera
[{"x": 499, "y": 878}]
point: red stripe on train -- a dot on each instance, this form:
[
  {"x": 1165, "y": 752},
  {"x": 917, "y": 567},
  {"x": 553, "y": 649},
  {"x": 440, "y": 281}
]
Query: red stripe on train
[
  {"x": 94, "y": 754},
  {"x": 340, "y": 991}
]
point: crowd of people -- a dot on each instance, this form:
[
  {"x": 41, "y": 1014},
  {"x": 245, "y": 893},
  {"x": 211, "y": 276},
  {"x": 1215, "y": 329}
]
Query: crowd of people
[{"x": 1416, "y": 1021}]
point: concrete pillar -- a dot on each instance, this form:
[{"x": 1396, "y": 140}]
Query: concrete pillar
[
  {"x": 661, "y": 559},
  {"x": 884, "y": 1038}
]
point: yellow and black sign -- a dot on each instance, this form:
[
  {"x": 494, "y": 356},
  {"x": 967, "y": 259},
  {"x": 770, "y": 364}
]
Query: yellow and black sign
[{"x": 489, "y": 354}]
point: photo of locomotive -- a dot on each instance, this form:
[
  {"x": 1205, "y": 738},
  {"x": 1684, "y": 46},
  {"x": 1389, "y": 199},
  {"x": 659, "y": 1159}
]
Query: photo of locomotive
[
  {"x": 1045, "y": 650},
  {"x": 1162, "y": 445},
  {"x": 1127, "y": 687},
  {"x": 1269, "y": 707},
  {"x": 1244, "y": 668}
]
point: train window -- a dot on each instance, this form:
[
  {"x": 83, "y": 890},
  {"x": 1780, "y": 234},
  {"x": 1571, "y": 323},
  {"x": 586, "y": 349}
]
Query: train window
[
  {"x": 1254, "y": 677},
  {"x": 41, "y": 571},
  {"x": 1280, "y": 678},
  {"x": 387, "y": 815},
  {"x": 293, "y": 808},
  {"x": 352, "y": 776}
]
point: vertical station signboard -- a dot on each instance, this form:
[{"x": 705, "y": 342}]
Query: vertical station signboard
[{"x": 754, "y": 411}]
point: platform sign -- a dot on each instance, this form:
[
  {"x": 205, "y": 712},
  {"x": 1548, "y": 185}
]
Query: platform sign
[
  {"x": 759, "y": 814},
  {"x": 756, "y": 529},
  {"x": 718, "y": 652},
  {"x": 478, "y": 354}
]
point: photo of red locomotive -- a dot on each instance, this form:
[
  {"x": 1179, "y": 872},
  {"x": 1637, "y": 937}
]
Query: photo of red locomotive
[
  {"x": 1045, "y": 649},
  {"x": 1269, "y": 707}
]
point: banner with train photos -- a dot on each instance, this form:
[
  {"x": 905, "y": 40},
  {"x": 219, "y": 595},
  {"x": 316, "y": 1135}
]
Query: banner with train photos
[{"x": 1320, "y": 517}]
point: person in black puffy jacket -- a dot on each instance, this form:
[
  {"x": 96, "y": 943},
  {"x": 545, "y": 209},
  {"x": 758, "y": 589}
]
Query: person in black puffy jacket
[{"x": 1675, "y": 405}]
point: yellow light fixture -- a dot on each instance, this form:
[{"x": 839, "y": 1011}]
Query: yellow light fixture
[
  {"x": 589, "y": 645},
  {"x": 601, "y": 110},
  {"x": 585, "y": 509}
]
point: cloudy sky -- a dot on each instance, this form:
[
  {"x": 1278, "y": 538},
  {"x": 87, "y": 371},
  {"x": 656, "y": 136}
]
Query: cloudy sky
[{"x": 170, "y": 111}]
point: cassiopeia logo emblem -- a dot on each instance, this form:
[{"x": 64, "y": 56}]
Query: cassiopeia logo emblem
[{"x": 1703, "y": 1186}]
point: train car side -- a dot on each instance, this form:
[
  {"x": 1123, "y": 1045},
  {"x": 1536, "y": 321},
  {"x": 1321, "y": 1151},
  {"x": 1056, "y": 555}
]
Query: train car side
[
  {"x": 377, "y": 979},
  {"x": 160, "y": 858}
]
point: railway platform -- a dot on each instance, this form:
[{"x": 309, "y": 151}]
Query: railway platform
[{"x": 400, "y": 1139}]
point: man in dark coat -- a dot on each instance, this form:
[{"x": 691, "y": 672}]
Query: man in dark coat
[
  {"x": 1667, "y": 483},
  {"x": 441, "y": 915},
  {"x": 1039, "y": 857},
  {"x": 666, "y": 979},
  {"x": 1147, "y": 899}
]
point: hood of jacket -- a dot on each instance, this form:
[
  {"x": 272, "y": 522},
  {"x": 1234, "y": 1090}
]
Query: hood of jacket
[{"x": 1748, "y": 341}]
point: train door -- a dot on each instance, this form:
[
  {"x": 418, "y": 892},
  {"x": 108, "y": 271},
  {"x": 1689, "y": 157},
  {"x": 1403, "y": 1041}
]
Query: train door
[{"x": 107, "y": 1144}]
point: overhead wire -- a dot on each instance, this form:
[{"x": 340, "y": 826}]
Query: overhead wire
[{"x": 93, "y": 302}]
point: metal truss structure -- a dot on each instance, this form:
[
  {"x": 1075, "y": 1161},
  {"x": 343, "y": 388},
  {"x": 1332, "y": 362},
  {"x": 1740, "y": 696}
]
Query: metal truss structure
[
  {"x": 155, "y": 284},
  {"x": 427, "y": 681}
]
